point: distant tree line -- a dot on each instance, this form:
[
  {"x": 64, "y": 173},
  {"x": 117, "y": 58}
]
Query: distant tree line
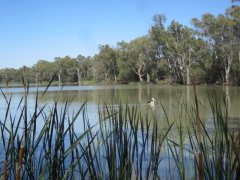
[{"x": 209, "y": 53}]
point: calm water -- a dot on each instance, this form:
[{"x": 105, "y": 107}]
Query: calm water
[
  {"x": 176, "y": 100},
  {"x": 173, "y": 98}
]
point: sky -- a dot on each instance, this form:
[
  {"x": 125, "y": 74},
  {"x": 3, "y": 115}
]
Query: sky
[{"x": 32, "y": 30}]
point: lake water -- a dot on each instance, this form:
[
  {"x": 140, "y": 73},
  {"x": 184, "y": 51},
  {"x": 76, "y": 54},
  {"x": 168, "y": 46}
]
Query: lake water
[
  {"x": 173, "y": 98},
  {"x": 173, "y": 102}
]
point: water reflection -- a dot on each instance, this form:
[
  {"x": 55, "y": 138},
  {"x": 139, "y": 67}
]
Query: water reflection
[{"x": 175, "y": 99}]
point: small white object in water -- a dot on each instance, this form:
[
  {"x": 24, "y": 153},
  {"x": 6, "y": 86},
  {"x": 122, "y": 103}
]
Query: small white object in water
[{"x": 152, "y": 102}]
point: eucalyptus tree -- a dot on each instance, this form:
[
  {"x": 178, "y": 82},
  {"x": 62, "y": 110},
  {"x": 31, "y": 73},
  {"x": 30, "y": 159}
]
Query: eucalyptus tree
[
  {"x": 43, "y": 70},
  {"x": 124, "y": 71},
  {"x": 181, "y": 51},
  {"x": 25, "y": 74},
  {"x": 66, "y": 69},
  {"x": 8, "y": 75},
  {"x": 233, "y": 13},
  {"x": 176, "y": 48},
  {"x": 82, "y": 67},
  {"x": 160, "y": 37},
  {"x": 59, "y": 67},
  {"x": 107, "y": 57},
  {"x": 138, "y": 55},
  {"x": 84, "y": 70},
  {"x": 87, "y": 68},
  {"x": 97, "y": 69},
  {"x": 218, "y": 31}
]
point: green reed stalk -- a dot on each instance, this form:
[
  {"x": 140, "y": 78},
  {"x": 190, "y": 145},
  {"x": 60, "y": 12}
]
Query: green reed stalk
[{"x": 200, "y": 134}]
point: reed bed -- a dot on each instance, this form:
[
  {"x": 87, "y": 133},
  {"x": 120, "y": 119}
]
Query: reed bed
[{"x": 124, "y": 144}]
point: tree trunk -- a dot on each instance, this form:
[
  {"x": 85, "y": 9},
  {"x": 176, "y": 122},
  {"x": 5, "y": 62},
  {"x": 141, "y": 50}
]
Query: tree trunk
[
  {"x": 106, "y": 76},
  {"x": 36, "y": 78},
  {"x": 94, "y": 73},
  {"x": 139, "y": 75},
  {"x": 227, "y": 77},
  {"x": 79, "y": 76},
  {"x": 239, "y": 58},
  {"x": 148, "y": 78},
  {"x": 227, "y": 69},
  {"x": 115, "y": 76},
  {"x": 188, "y": 75},
  {"x": 59, "y": 78}
]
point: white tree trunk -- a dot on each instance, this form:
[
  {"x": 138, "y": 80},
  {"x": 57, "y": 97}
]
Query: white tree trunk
[
  {"x": 148, "y": 78},
  {"x": 36, "y": 78},
  {"x": 239, "y": 59},
  {"x": 227, "y": 68},
  {"x": 140, "y": 75},
  {"x": 227, "y": 77},
  {"x": 188, "y": 75},
  {"x": 79, "y": 76},
  {"x": 59, "y": 78}
]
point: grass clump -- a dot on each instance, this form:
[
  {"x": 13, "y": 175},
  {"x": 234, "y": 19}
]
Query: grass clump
[{"x": 47, "y": 154}]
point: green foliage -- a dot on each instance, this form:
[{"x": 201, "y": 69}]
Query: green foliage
[
  {"x": 107, "y": 60},
  {"x": 66, "y": 69},
  {"x": 44, "y": 70},
  {"x": 138, "y": 56},
  {"x": 125, "y": 73},
  {"x": 8, "y": 75},
  {"x": 222, "y": 37},
  {"x": 84, "y": 70}
]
